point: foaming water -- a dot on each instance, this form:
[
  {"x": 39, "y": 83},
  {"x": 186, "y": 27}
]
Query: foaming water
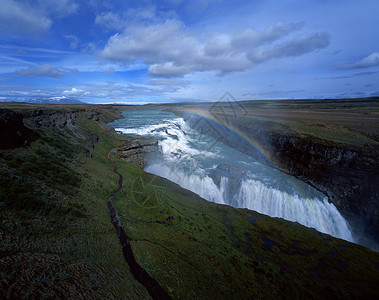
[
  {"x": 224, "y": 175},
  {"x": 312, "y": 212},
  {"x": 201, "y": 185}
]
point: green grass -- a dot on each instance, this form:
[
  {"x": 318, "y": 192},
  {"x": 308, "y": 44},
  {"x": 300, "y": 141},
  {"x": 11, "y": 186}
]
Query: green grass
[
  {"x": 54, "y": 208},
  {"x": 197, "y": 248},
  {"x": 332, "y": 132}
]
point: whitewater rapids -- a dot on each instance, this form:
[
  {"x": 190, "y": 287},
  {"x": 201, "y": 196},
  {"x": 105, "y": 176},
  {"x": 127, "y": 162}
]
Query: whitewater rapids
[{"x": 187, "y": 159}]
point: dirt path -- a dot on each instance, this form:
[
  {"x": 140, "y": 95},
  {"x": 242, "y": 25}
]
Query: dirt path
[{"x": 140, "y": 274}]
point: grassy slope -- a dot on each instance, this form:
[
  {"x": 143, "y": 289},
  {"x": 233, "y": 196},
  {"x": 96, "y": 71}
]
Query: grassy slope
[
  {"x": 56, "y": 237},
  {"x": 196, "y": 248}
]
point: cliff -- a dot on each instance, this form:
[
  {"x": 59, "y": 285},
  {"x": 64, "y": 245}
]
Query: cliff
[
  {"x": 138, "y": 149},
  {"x": 341, "y": 162},
  {"x": 348, "y": 175},
  {"x": 13, "y": 132}
]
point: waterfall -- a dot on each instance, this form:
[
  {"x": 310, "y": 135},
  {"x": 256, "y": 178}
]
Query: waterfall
[
  {"x": 252, "y": 194},
  {"x": 188, "y": 162},
  {"x": 311, "y": 212}
]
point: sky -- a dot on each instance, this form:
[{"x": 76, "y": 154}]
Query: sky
[{"x": 137, "y": 52}]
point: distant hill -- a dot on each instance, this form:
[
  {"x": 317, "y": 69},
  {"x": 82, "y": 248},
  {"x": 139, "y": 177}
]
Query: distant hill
[{"x": 51, "y": 100}]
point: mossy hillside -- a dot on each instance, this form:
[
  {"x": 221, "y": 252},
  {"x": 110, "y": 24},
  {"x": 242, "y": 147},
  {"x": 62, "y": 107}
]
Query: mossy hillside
[
  {"x": 56, "y": 237},
  {"x": 195, "y": 248}
]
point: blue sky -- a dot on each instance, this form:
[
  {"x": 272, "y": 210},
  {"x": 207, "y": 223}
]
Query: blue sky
[{"x": 144, "y": 51}]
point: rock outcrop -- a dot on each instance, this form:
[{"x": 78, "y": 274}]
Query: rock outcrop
[
  {"x": 20, "y": 128},
  {"x": 348, "y": 175},
  {"x": 13, "y": 132},
  {"x": 58, "y": 118},
  {"x": 138, "y": 149}
]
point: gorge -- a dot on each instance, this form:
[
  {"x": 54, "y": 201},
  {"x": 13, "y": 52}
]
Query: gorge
[
  {"x": 56, "y": 237},
  {"x": 344, "y": 170}
]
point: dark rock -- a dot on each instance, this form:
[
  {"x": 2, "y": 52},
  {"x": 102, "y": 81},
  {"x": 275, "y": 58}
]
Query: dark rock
[
  {"x": 65, "y": 121},
  {"x": 58, "y": 118},
  {"x": 13, "y": 132},
  {"x": 138, "y": 149},
  {"x": 51, "y": 118},
  {"x": 348, "y": 175},
  {"x": 92, "y": 115},
  {"x": 90, "y": 140}
]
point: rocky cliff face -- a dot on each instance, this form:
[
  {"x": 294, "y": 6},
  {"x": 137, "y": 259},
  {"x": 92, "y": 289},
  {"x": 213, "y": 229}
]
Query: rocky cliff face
[
  {"x": 347, "y": 174},
  {"x": 65, "y": 120},
  {"x": 138, "y": 149},
  {"x": 13, "y": 132},
  {"x": 20, "y": 128},
  {"x": 58, "y": 118}
]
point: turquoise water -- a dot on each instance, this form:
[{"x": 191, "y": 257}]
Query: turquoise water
[{"x": 191, "y": 159}]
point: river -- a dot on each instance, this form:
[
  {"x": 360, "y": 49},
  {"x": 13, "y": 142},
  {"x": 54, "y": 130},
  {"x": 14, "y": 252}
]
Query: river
[{"x": 224, "y": 175}]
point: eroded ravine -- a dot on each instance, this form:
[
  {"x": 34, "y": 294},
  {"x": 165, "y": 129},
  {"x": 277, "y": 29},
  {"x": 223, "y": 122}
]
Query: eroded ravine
[{"x": 139, "y": 273}]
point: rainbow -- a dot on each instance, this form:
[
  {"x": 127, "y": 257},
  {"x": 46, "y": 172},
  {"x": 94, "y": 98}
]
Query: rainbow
[
  {"x": 254, "y": 143},
  {"x": 207, "y": 115}
]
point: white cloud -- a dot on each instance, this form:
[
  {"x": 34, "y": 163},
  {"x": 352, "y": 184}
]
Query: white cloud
[
  {"x": 299, "y": 45},
  {"x": 367, "y": 62},
  {"x": 73, "y": 92},
  {"x": 30, "y": 17},
  {"x": 117, "y": 21},
  {"x": 153, "y": 43},
  {"x": 172, "y": 50},
  {"x": 252, "y": 38},
  {"x": 169, "y": 69},
  {"x": 107, "y": 90},
  {"x": 21, "y": 18},
  {"x": 41, "y": 70},
  {"x": 169, "y": 82},
  {"x": 112, "y": 90}
]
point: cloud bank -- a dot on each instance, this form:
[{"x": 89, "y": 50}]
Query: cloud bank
[
  {"x": 41, "y": 70},
  {"x": 32, "y": 17},
  {"x": 14, "y": 20},
  {"x": 367, "y": 62},
  {"x": 172, "y": 50}
]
